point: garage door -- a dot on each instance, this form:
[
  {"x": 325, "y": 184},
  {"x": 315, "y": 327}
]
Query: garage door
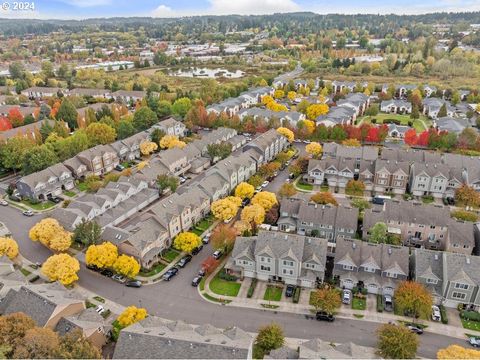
[
  {"x": 388, "y": 290},
  {"x": 347, "y": 283},
  {"x": 372, "y": 288}
]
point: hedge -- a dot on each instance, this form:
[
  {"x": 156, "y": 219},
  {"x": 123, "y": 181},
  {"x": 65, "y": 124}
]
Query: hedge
[
  {"x": 379, "y": 303},
  {"x": 251, "y": 289},
  {"x": 470, "y": 315},
  {"x": 227, "y": 277},
  {"x": 443, "y": 314},
  {"x": 296, "y": 295}
]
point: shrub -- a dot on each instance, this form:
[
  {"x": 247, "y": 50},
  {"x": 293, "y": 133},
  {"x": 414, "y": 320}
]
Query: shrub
[
  {"x": 251, "y": 289},
  {"x": 379, "y": 303},
  {"x": 470, "y": 315},
  {"x": 364, "y": 291},
  {"x": 296, "y": 295},
  {"x": 464, "y": 215},
  {"x": 443, "y": 314},
  {"x": 227, "y": 277}
]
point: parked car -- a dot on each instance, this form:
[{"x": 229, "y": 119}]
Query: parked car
[
  {"x": 182, "y": 179},
  {"x": 245, "y": 202},
  {"x": 119, "y": 167},
  {"x": 15, "y": 197},
  {"x": 217, "y": 254},
  {"x": 107, "y": 273},
  {"x": 3, "y": 202},
  {"x": 289, "y": 291},
  {"x": 197, "y": 250},
  {"x": 436, "y": 316},
  {"x": 201, "y": 272},
  {"x": 100, "y": 309},
  {"x": 258, "y": 188},
  {"x": 206, "y": 238},
  {"x": 475, "y": 342},
  {"x": 93, "y": 268},
  {"x": 184, "y": 261},
  {"x": 227, "y": 221},
  {"x": 324, "y": 316},
  {"x": 291, "y": 176},
  {"x": 265, "y": 184},
  {"x": 196, "y": 280},
  {"x": 133, "y": 283},
  {"x": 387, "y": 303},
  {"x": 55, "y": 199},
  {"x": 346, "y": 296},
  {"x": 28, "y": 213},
  {"x": 119, "y": 278},
  {"x": 170, "y": 274},
  {"x": 415, "y": 329}
]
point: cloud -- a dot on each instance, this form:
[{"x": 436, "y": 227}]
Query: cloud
[
  {"x": 248, "y": 7},
  {"x": 164, "y": 11}
]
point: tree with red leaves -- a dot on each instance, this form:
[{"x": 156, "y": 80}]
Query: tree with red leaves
[
  {"x": 364, "y": 129},
  {"x": 5, "y": 124},
  {"x": 411, "y": 137},
  {"x": 210, "y": 264},
  {"x": 372, "y": 135},
  {"x": 382, "y": 132},
  {"x": 423, "y": 138},
  {"x": 15, "y": 117}
]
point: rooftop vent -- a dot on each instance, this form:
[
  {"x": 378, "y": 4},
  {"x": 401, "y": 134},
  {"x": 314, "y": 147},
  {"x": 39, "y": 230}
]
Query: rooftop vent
[
  {"x": 435, "y": 256},
  {"x": 467, "y": 260},
  {"x": 389, "y": 251}
]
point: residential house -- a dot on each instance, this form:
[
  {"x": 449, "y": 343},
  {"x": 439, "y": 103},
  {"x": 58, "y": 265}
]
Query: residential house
[
  {"x": 431, "y": 107},
  {"x": 174, "y": 160},
  {"x": 319, "y": 349},
  {"x": 10, "y": 277},
  {"x": 37, "y": 92},
  {"x": 268, "y": 145},
  {"x": 357, "y": 101},
  {"x": 89, "y": 92},
  {"x": 391, "y": 176},
  {"x": 396, "y": 106},
  {"x": 339, "y": 86},
  {"x": 98, "y": 160},
  {"x": 46, "y": 304},
  {"x": 128, "y": 96},
  {"x": 429, "y": 90},
  {"x": 46, "y": 183},
  {"x": 276, "y": 256},
  {"x": 163, "y": 339},
  {"x": 379, "y": 268},
  {"x": 334, "y": 172},
  {"x": 334, "y": 150},
  {"x": 453, "y": 125},
  {"x": 397, "y": 131},
  {"x": 171, "y": 127},
  {"x": 24, "y": 110},
  {"x": 419, "y": 225},
  {"x": 452, "y": 278},
  {"x": 129, "y": 148},
  {"x": 337, "y": 115},
  {"x": 311, "y": 219},
  {"x": 292, "y": 117},
  {"x": 430, "y": 179},
  {"x": 31, "y": 131}
]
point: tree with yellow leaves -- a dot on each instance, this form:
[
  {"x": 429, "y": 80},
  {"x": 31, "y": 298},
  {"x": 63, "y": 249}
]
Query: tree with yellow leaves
[
  {"x": 102, "y": 256},
  {"x": 224, "y": 209},
  {"x": 315, "y": 110},
  {"x": 265, "y": 199},
  {"x": 253, "y": 214},
  {"x": 8, "y": 247},
  {"x": 274, "y": 106},
  {"x": 278, "y": 94},
  {"x": 171, "y": 141},
  {"x": 263, "y": 83},
  {"x": 61, "y": 267},
  {"x": 148, "y": 147},
  {"x": 51, "y": 234},
  {"x": 141, "y": 165},
  {"x": 287, "y": 133},
  {"x": 131, "y": 315},
  {"x": 266, "y": 99},
  {"x": 244, "y": 190},
  {"x": 187, "y": 241},
  {"x": 291, "y": 95},
  {"x": 457, "y": 352},
  {"x": 351, "y": 142},
  {"x": 306, "y": 127},
  {"x": 127, "y": 266},
  {"x": 314, "y": 148}
]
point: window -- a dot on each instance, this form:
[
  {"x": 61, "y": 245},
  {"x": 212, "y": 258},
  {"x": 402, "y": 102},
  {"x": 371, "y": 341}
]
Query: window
[
  {"x": 265, "y": 268},
  {"x": 432, "y": 281},
  {"x": 459, "y": 295},
  {"x": 461, "y": 286},
  {"x": 310, "y": 266},
  {"x": 347, "y": 267},
  {"x": 287, "y": 272},
  {"x": 287, "y": 263},
  {"x": 391, "y": 275},
  {"x": 369, "y": 269}
]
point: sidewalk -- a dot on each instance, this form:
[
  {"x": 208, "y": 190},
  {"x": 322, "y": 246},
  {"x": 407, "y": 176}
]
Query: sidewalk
[{"x": 344, "y": 313}]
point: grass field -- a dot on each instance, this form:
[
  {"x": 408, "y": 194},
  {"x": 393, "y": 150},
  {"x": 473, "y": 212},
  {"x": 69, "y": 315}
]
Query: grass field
[
  {"x": 359, "y": 304},
  {"x": 418, "y": 124},
  {"x": 170, "y": 255},
  {"x": 273, "y": 293},
  {"x": 40, "y": 206},
  {"x": 224, "y": 287}
]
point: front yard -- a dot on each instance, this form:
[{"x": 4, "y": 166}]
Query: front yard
[
  {"x": 471, "y": 325},
  {"x": 170, "y": 255},
  {"x": 273, "y": 293},
  {"x": 224, "y": 287},
  {"x": 39, "y": 206},
  {"x": 154, "y": 270},
  {"x": 359, "y": 303}
]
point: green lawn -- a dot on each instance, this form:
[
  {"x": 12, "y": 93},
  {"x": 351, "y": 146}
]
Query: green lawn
[
  {"x": 404, "y": 119},
  {"x": 69, "y": 193},
  {"x": 25, "y": 272},
  {"x": 471, "y": 325},
  {"x": 204, "y": 224},
  {"x": 359, "y": 304},
  {"x": 273, "y": 293},
  {"x": 40, "y": 206},
  {"x": 223, "y": 287},
  {"x": 197, "y": 232},
  {"x": 82, "y": 186},
  {"x": 154, "y": 270},
  {"x": 303, "y": 186},
  {"x": 170, "y": 255}
]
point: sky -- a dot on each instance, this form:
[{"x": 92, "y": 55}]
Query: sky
[{"x": 81, "y": 9}]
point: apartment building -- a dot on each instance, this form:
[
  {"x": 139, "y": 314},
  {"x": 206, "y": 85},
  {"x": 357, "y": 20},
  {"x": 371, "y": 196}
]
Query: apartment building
[{"x": 268, "y": 145}]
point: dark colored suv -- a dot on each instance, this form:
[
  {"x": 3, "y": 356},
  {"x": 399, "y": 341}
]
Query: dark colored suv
[
  {"x": 324, "y": 316},
  {"x": 290, "y": 290}
]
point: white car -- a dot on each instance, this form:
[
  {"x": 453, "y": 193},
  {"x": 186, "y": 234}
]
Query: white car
[
  {"x": 206, "y": 238},
  {"x": 265, "y": 184},
  {"x": 3, "y": 202},
  {"x": 436, "y": 313},
  {"x": 475, "y": 342},
  {"x": 100, "y": 309},
  {"x": 227, "y": 221}
]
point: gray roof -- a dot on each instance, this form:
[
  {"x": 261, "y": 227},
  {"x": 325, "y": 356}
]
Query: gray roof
[
  {"x": 428, "y": 264},
  {"x": 282, "y": 353},
  {"x": 160, "y": 339},
  {"x": 350, "y": 152},
  {"x": 87, "y": 320},
  {"x": 320, "y": 349},
  {"x": 455, "y": 125}
]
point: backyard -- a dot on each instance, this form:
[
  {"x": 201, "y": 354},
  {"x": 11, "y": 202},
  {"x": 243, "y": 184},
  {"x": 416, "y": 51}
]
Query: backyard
[{"x": 418, "y": 124}]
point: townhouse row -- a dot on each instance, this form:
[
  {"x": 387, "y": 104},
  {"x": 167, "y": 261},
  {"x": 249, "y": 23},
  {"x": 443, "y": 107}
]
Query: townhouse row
[
  {"x": 98, "y": 160},
  {"x": 394, "y": 170},
  {"x": 413, "y": 224},
  {"x": 147, "y": 235},
  {"x": 379, "y": 268}
]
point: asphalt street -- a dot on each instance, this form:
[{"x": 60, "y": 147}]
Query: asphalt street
[{"x": 177, "y": 299}]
